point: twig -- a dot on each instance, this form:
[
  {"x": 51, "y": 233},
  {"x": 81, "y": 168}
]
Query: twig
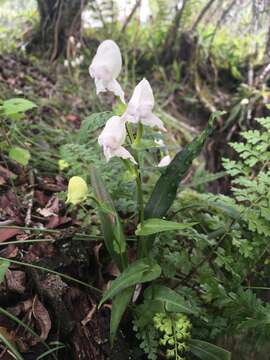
[
  {"x": 130, "y": 16},
  {"x": 31, "y": 199}
]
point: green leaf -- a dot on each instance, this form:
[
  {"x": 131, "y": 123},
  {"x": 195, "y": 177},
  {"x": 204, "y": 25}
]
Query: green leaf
[
  {"x": 138, "y": 272},
  {"x": 207, "y": 351},
  {"x": 4, "y": 265},
  {"x": 111, "y": 225},
  {"x": 153, "y": 226},
  {"x": 165, "y": 190},
  {"x": 173, "y": 302},
  {"x": 166, "y": 187},
  {"x": 119, "y": 305},
  {"x": 16, "y": 106},
  {"x": 20, "y": 155}
]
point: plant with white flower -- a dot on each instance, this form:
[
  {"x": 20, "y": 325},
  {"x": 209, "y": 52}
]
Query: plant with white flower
[
  {"x": 106, "y": 67},
  {"x": 141, "y": 105},
  {"x": 122, "y": 137},
  {"x": 113, "y": 137}
]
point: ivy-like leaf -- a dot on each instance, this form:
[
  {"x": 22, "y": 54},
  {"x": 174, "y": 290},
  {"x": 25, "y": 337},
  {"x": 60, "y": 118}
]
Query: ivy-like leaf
[
  {"x": 20, "y": 155},
  {"x": 15, "y": 106}
]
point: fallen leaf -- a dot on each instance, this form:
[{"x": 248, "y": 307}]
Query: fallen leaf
[
  {"x": 89, "y": 315},
  {"x": 8, "y": 335},
  {"x": 51, "y": 208},
  {"x": 5, "y": 173},
  {"x": 72, "y": 117},
  {"x": 21, "y": 308},
  {"x": 42, "y": 317},
  {"x": 15, "y": 281},
  {"x": 10, "y": 251},
  {"x": 55, "y": 221},
  {"x": 8, "y": 233}
]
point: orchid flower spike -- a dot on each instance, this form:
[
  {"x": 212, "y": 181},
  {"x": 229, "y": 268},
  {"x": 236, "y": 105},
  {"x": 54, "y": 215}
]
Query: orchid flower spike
[
  {"x": 112, "y": 138},
  {"x": 165, "y": 161},
  {"x": 105, "y": 68},
  {"x": 141, "y": 105}
]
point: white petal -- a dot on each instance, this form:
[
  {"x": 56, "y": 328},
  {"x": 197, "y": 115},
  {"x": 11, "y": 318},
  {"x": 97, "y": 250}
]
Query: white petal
[
  {"x": 115, "y": 88},
  {"x": 124, "y": 154},
  {"x": 114, "y": 133},
  {"x": 105, "y": 68},
  {"x": 141, "y": 105},
  {"x": 108, "y": 56},
  {"x": 165, "y": 161},
  {"x": 130, "y": 116},
  {"x": 99, "y": 86},
  {"x": 147, "y": 96},
  {"x": 152, "y": 120}
]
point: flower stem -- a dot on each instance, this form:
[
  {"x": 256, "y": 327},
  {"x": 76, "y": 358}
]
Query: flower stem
[
  {"x": 139, "y": 133},
  {"x": 142, "y": 249}
]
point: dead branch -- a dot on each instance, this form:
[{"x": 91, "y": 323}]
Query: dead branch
[
  {"x": 130, "y": 16},
  {"x": 201, "y": 15}
]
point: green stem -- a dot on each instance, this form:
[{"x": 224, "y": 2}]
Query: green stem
[
  {"x": 139, "y": 133},
  {"x": 142, "y": 248},
  {"x": 130, "y": 133}
]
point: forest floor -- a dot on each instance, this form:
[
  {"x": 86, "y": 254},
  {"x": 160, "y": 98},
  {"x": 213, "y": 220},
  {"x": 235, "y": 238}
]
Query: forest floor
[
  {"x": 37, "y": 229},
  {"x": 61, "y": 310}
]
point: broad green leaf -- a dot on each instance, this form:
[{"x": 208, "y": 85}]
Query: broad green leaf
[
  {"x": 153, "y": 226},
  {"x": 166, "y": 187},
  {"x": 16, "y": 106},
  {"x": 111, "y": 225},
  {"x": 138, "y": 272},
  {"x": 4, "y": 265},
  {"x": 207, "y": 351},
  {"x": 20, "y": 155},
  {"x": 173, "y": 302},
  {"x": 119, "y": 305}
]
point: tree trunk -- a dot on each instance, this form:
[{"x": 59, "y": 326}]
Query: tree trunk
[
  {"x": 267, "y": 46},
  {"x": 168, "y": 51},
  {"x": 59, "y": 19},
  {"x": 202, "y": 13}
]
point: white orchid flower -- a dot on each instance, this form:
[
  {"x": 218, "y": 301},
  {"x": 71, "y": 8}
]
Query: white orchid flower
[
  {"x": 105, "y": 68},
  {"x": 113, "y": 137},
  {"x": 165, "y": 161},
  {"x": 141, "y": 105}
]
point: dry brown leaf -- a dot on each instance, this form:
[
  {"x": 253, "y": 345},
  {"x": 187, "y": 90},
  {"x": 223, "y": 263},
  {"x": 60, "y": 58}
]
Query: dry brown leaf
[
  {"x": 15, "y": 281},
  {"x": 8, "y": 335},
  {"x": 42, "y": 317},
  {"x": 8, "y": 233},
  {"x": 10, "y": 251}
]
